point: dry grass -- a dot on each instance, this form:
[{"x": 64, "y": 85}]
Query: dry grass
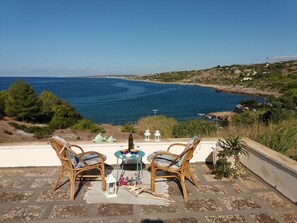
[
  {"x": 281, "y": 137},
  {"x": 163, "y": 124}
]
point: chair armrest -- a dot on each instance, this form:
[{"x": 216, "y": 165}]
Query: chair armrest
[
  {"x": 176, "y": 144},
  {"x": 81, "y": 149}
]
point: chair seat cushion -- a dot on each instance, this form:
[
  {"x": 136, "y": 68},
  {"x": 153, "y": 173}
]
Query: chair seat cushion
[
  {"x": 163, "y": 160},
  {"x": 90, "y": 159}
]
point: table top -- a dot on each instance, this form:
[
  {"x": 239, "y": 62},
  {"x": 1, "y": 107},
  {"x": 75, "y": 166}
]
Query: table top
[{"x": 138, "y": 155}]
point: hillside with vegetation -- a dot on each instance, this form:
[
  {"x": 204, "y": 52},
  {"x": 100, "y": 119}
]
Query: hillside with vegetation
[
  {"x": 259, "y": 79},
  {"x": 273, "y": 124}
]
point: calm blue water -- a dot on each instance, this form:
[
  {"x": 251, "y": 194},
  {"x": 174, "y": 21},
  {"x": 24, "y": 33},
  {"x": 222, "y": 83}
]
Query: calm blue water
[{"x": 118, "y": 101}]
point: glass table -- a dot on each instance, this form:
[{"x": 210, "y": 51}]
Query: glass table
[{"x": 127, "y": 157}]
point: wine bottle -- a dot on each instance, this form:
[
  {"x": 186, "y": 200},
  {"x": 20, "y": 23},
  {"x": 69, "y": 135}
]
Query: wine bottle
[{"x": 130, "y": 142}]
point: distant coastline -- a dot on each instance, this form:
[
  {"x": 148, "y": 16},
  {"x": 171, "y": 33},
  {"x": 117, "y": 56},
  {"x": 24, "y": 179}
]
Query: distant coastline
[{"x": 218, "y": 88}]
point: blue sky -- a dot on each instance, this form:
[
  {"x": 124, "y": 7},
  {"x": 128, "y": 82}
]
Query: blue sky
[{"x": 88, "y": 37}]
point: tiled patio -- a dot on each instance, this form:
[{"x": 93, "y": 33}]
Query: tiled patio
[{"x": 26, "y": 195}]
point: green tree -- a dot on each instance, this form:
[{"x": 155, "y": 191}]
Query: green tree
[
  {"x": 21, "y": 102},
  {"x": 64, "y": 116},
  {"x": 49, "y": 103},
  {"x": 2, "y": 104}
]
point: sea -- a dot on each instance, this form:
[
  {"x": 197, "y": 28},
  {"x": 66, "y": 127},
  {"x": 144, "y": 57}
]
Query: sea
[{"x": 118, "y": 101}]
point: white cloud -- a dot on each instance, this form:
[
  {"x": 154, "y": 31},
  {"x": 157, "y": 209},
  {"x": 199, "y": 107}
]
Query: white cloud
[{"x": 283, "y": 58}]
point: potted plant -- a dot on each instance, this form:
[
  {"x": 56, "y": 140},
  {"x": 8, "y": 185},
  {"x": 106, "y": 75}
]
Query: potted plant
[{"x": 228, "y": 163}]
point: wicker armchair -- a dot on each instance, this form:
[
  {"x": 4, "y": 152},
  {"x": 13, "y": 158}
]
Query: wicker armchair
[
  {"x": 77, "y": 164},
  {"x": 177, "y": 166}
]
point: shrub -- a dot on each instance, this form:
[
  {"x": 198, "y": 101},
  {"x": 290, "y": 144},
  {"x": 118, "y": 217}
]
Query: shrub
[
  {"x": 245, "y": 118},
  {"x": 129, "y": 127},
  {"x": 42, "y": 132},
  {"x": 163, "y": 124},
  {"x": 64, "y": 117},
  {"x": 249, "y": 103},
  {"x": 223, "y": 123},
  {"x": 280, "y": 137},
  {"x": 39, "y": 132},
  {"x": 61, "y": 122},
  {"x": 193, "y": 127},
  {"x": 223, "y": 168},
  {"x": 228, "y": 164},
  {"x": 85, "y": 124}
]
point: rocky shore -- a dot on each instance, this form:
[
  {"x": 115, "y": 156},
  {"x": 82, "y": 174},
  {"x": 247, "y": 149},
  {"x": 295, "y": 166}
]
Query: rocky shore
[
  {"x": 241, "y": 90},
  {"x": 223, "y": 115}
]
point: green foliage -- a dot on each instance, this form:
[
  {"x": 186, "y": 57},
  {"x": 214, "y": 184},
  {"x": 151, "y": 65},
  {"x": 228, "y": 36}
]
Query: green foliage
[
  {"x": 193, "y": 127},
  {"x": 39, "y": 132},
  {"x": 153, "y": 123},
  {"x": 129, "y": 127},
  {"x": 228, "y": 164},
  {"x": 277, "y": 77},
  {"x": 21, "y": 102},
  {"x": 277, "y": 113},
  {"x": 233, "y": 146},
  {"x": 59, "y": 113},
  {"x": 245, "y": 118},
  {"x": 2, "y": 103},
  {"x": 280, "y": 137},
  {"x": 64, "y": 117},
  {"x": 287, "y": 101},
  {"x": 223, "y": 168},
  {"x": 49, "y": 103},
  {"x": 223, "y": 123},
  {"x": 249, "y": 103},
  {"x": 85, "y": 124}
]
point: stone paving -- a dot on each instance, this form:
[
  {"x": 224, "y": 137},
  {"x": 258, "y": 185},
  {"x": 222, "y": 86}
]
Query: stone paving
[{"x": 26, "y": 195}]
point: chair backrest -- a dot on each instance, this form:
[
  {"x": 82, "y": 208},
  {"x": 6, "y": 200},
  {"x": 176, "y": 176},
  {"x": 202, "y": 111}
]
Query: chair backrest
[
  {"x": 188, "y": 152},
  {"x": 61, "y": 146}
]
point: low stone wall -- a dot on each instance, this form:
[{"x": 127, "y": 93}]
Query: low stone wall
[
  {"x": 276, "y": 169},
  {"x": 42, "y": 154}
]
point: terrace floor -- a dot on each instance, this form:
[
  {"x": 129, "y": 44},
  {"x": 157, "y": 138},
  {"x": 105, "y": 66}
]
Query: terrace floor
[{"x": 26, "y": 195}]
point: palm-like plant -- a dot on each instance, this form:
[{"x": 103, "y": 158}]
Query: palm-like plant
[
  {"x": 233, "y": 146},
  {"x": 228, "y": 157}
]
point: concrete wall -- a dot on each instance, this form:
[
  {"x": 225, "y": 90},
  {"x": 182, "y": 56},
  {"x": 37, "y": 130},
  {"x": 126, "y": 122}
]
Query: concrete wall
[
  {"x": 276, "y": 169},
  {"x": 41, "y": 154}
]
